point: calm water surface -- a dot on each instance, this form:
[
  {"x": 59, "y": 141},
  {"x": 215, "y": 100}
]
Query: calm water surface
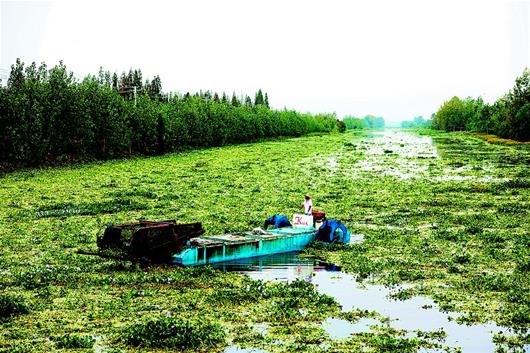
[{"x": 417, "y": 313}]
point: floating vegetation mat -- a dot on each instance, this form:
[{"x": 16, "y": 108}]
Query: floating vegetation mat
[{"x": 439, "y": 216}]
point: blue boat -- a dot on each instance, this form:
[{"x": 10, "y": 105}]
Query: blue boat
[{"x": 235, "y": 246}]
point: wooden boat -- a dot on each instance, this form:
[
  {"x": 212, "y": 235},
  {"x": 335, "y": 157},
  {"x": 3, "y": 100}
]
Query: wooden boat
[{"x": 227, "y": 247}]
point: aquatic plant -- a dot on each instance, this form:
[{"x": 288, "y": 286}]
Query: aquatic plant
[
  {"x": 174, "y": 332},
  {"x": 438, "y": 214},
  {"x": 11, "y": 305},
  {"x": 74, "y": 341}
]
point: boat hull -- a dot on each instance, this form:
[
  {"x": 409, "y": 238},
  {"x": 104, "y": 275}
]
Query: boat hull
[{"x": 229, "y": 247}]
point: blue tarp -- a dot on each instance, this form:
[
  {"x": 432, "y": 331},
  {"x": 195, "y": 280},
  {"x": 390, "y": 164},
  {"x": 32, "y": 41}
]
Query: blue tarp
[
  {"x": 277, "y": 221},
  {"x": 333, "y": 231}
]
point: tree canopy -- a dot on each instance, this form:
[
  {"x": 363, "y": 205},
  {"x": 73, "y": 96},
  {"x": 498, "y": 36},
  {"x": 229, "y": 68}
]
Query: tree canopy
[
  {"x": 508, "y": 117},
  {"x": 368, "y": 122},
  {"x": 47, "y": 116}
]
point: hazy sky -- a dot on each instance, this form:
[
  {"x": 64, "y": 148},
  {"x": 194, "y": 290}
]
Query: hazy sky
[{"x": 396, "y": 59}]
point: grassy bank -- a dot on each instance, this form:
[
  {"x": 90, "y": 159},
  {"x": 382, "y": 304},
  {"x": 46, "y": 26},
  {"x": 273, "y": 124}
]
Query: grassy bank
[{"x": 448, "y": 213}]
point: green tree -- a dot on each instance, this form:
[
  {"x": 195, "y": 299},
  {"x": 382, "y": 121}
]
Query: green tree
[
  {"x": 419, "y": 121},
  {"x": 352, "y": 122},
  {"x": 235, "y": 102},
  {"x": 46, "y": 115},
  {"x": 16, "y": 77},
  {"x": 154, "y": 89},
  {"x": 125, "y": 84},
  {"x": 517, "y": 119},
  {"x": 374, "y": 122},
  {"x": 115, "y": 81},
  {"x": 259, "y": 100},
  {"x": 508, "y": 117},
  {"x": 453, "y": 115},
  {"x": 137, "y": 79},
  {"x": 63, "y": 123},
  {"x": 248, "y": 101}
]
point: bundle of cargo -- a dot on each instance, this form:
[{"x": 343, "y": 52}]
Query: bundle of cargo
[{"x": 149, "y": 240}]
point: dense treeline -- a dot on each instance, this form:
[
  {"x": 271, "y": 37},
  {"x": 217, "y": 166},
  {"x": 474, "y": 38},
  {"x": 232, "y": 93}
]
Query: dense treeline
[
  {"x": 508, "y": 117},
  {"x": 368, "y": 122},
  {"x": 48, "y": 116},
  {"x": 417, "y": 122}
]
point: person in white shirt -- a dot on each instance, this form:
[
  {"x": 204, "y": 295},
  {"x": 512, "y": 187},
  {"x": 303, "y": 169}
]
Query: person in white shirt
[{"x": 307, "y": 205}]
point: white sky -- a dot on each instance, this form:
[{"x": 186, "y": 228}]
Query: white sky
[{"x": 395, "y": 59}]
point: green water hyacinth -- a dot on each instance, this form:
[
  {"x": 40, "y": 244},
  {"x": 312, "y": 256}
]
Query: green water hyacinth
[
  {"x": 445, "y": 216},
  {"x": 174, "y": 332}
]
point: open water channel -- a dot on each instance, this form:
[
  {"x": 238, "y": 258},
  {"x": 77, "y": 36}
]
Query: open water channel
[{"x": 417, "y": 313}]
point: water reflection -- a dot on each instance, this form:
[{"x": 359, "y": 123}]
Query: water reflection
[
  {"x": 279, "y": 267},
  {"x": 417, "y": 313},
  {"x": 340, "y": 328}
]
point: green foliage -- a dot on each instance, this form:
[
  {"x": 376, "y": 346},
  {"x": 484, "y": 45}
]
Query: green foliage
[
  {"x": 259, "y": 100},
  {"x": 516, "y": 122},
  {"x": 352, "y": 122},
  {"x": 154, "y": 88},
  {"x": 374, "y": 122},
  {"x": 341, "y": 125},
  {"x": 441, "y": 230},
  {"x": 47, "y": 116},
  {"x": 457, "y": 114},
  {"x": 389, "y": 343},
  {"x": 417, "y": 122},
  {"x": 368, "y": 122},
  {"x": 11, "y": 305},
  {"x": 508, "y": 117},
  {"x": 174, "y": 332},
  {"x": 234, "y": 101},
  {"x": 74, "y": 341}
]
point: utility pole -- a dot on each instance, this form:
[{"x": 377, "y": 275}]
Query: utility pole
[{"x": 135, "y": 96}]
